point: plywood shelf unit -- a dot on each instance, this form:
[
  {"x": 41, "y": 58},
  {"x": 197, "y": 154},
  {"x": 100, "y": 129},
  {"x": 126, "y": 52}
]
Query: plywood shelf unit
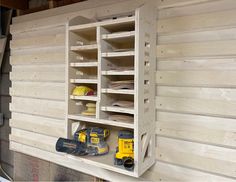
[{"x": 111, "y": 56}]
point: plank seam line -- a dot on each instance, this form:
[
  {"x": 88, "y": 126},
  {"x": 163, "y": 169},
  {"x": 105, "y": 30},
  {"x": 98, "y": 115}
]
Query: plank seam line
[
  {"x": 196, "y": 30},
  {"x": 197, "y": 169},
  {"x": 43, "y": 48},
  {"x": 35, "y": 28},
  {"x": 163, "y": 7},
  {"x": 36, "y": 97},
  {"x": 197, "y": 85},
  {"x": 40, "y": 115},
  {"x": 199, "y": 114},
  {"x": 195, "y": 141}
]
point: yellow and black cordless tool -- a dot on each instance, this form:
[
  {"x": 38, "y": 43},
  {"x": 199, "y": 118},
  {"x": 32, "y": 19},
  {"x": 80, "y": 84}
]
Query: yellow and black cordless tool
[{"x": 125, "y": 150}]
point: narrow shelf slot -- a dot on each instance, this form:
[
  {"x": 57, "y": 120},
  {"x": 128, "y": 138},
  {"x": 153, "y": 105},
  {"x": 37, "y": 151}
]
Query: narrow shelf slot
[
  {"x": 118, "y": 109},
  {"x": 84, "y": 64},
  {"x": 89, "y": 81},
  {"x": 88, "y": 98},
  {"x": 116, "y": 72},
  {"x": 120, "y": 91},
  {"x": 118, "y": 54}
]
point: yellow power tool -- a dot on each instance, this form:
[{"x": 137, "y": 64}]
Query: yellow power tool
[
  {"x": 125, "y": 150},
  {"x": 94, "y": 138}
]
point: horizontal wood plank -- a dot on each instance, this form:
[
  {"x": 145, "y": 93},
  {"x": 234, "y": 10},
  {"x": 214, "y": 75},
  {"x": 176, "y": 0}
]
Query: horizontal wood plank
[
  {"x": 46, "y": 108},
  {"x": 162, "y": 4},
  {"x": 199, "y": 22},
  {"x": 38, "y": 124},
  {"x": 38, "y": 73},
  {"x": 52, "y": 91},
  {"x": 33, "y": 139},
  {"x": 223, "y": 94},
  {"x": 197, "y": 78},
  {"x": 198, "y": 64},
  {"x": 40, "y": 32},
  {"x": 211, "y": 130},
  {"x": 42, "y": 57},
  {"x": 197, "y": 106},
  {"x": 199, "y": 49},
  {"x": 168, "y": 172},
  {"x": 203, "y": 36},
  {"x": 199, "y": 156},
  {"x": 38, "y": 41},
  {"x": 197, "y": 8}
]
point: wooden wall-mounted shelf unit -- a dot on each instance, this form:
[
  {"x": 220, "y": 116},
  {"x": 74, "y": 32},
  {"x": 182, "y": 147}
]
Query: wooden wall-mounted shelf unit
[{"x": 111, "y": 50}]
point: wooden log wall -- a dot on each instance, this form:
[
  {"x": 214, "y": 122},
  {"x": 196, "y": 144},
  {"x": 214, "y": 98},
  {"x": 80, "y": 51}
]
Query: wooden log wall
[{"x": 196, "y": 69}]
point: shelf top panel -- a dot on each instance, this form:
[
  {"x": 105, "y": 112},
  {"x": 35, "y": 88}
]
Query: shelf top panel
[{"x": 111, "y": 22}]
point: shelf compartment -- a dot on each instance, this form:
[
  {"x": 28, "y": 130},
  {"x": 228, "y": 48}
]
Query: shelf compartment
[
  {"x": 91, "y": 119},
  {"x": 118, "y": 54},
  {"x": 118, "y": 109},
  {"x": 116, "y": 72},
  {"x": 84, "y": 36},
  {"x": 89, "y": 81},
  {"x": 84, "y": 64},
  {"x": 88, "y": 98},
  {"x": 121, "y": 24},
  {"x": 120, "y": 91}
]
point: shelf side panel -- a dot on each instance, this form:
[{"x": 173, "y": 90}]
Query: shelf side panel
[{"x": 145, "y": 64}]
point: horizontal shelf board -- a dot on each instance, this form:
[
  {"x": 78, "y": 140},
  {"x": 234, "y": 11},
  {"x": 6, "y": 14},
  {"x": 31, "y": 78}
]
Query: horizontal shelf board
[
  {"x": 84, "y": 48},
  {"x": 90, "y": 26},
  {"x": 91, "y": 98},
  {"x": 120, "y": 91},
  {"x": 83, "y": 28},
  {"x": 101, "y": 121},
  {"x": 118, "y": 54},
  {"x": 119, "y": 35},
  {"x": 116, "y": 72},
  {"x": 92, "y": 81},
  {"x": 103, "y": 161},
  {"x": 118, "y": 109},
  {"x": 84, "y": 64}
]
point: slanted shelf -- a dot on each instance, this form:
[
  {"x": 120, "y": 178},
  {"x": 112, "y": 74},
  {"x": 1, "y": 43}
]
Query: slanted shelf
[{"x": 116, "y": 59}]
